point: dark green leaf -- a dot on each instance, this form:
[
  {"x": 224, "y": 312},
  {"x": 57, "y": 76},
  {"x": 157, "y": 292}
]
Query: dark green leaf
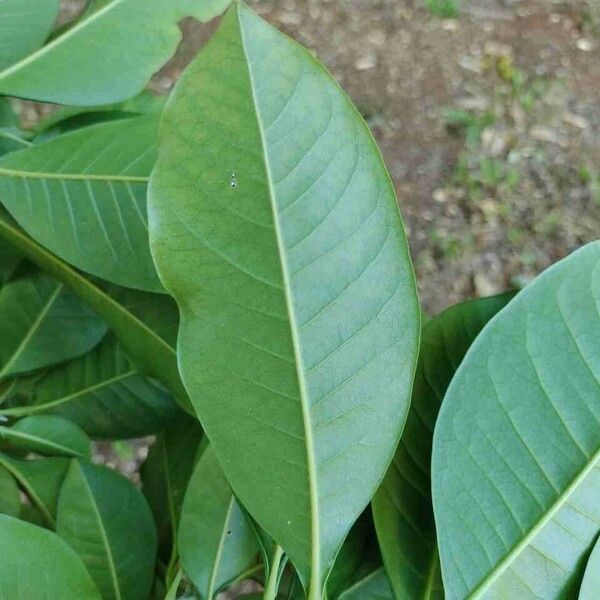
[
  {"x": 107, "y": 56},
  {"x": 515, "y": 475},
  {"x": 591, "y": 579},
  {"x": 275, "y": 226},
  {"x": 10, "y": 502},
  {"x": 10, "y": 258},
  {"x": 43, "y": 324},
  {"x": 374, "y": 586},
  {"x": 106, "y": 520},
  {"x": 216, "y": 543},
  {"x": 82, "y": 195},
  {"x": 48, "y": 435},
  {"x": 37, "y": 564},
  {"x": 102, "y": 392},
  {"x": 144, "y": 323},
  {"x": 402, "y": 506},
  {"x": 41, "y": 481}
]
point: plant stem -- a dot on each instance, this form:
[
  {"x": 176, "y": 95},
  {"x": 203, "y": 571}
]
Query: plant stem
[
  {"x": 273, "y": 581},
  {"x": 172, "y": 593}
]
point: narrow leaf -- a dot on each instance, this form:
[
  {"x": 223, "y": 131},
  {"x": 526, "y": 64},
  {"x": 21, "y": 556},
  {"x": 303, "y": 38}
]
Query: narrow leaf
[
  {"x": 515, "y": 476},
  {"x": 25, "y": 24},
  {"x": 36, "y": 563},
  {"x": 10, "y": 502},
  {"x": 145, "y": 324},
  {"x": 40, "y": 479},
  {"x": 402, "y": 506},
  {"x": 275, "y": 226},
  {"x": 82, "y": 195},
  {"x": 101, "y": 392},
  {"x": 43, "y": 324},
  {"x": 216, "y": 543},
  {"x": 107, "y": 56},
  {"x": 106, "y": 520},
  {"x": 48, "y": 435}
]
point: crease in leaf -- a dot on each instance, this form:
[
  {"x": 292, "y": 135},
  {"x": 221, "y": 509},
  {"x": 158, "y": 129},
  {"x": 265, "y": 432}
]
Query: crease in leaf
[{"x": 294, "y": 380}]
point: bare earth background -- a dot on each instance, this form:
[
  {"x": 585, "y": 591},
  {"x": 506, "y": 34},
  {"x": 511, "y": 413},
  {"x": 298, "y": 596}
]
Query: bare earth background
[{"x": 488, "y": 123}]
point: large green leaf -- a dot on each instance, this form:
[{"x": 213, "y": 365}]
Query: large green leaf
[
  {"x": 515, "y": 477},
  {"x": 41, "y": 480},
  {"x": 24, "y": 24},
  {"x": 165, "y": 476},
  {"x": 373, "y": 586},
  {"x": 10, "y": 258},
  {"x": 144, "y": 323},
  {"x": 402, "y": 506},
  {"x": 102, "y": 392},
  {"x": 36, "y": 563},
  {"x": 82, "y": 195},
  {"x": 48, "y": 435},
  {"x": 42, "y": 324},
  {"x": 216, "y": 543},
  {"x": 108, "y": 56},
  {"x": 274, "y": 224},
  {"x": 106, "y": 520},
  {"x": 10, "y": 502},
  {"x": 591, "y": 579}
]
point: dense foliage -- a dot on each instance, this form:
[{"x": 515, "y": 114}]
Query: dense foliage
[{"x": 228, "y": 273}]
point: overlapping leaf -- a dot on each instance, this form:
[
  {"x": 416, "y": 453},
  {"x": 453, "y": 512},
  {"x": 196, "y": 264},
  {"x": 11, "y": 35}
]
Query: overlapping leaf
[
  {"x": 36, "y": 563},
  {"x": 216, "y": 543},
  {"x": 42, "y": 324},
  {"x": 108, "y": 55},
  {"x": 102, "y": 392},
  {"x": 402, "y": 506},
  {"x": 591, "y": 579},
  {"x": 82, "y": 195},
  {"x": 515, "y": 474},
  {"x": 106, "y": 520},
  {"x": 275, "y": 226},
  {"x": 144, "y": 323},
  {"x": 47, "y": 435},
  {"x": 374, "y": 586},
  {"x": 10, "y": 502}
]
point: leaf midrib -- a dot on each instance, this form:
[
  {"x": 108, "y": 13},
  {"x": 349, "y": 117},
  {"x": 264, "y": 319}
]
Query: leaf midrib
[
  {"x": 72, "y": 176},
  {"x": 60, "y": 39},
  {"x": 315, "y": 581},
  {"x": 217, "y": 561},
  {"x": 515, "y": 552},
  {"x": 31, "y": 331},
  {"x": 103, "y": 535},
  {"x": 15, "y": 433}
]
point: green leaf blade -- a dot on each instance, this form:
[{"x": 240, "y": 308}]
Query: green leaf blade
[
  {"x": 317, "y": 376},
  {"x": 591, "y": 579},
  {"x": 82, "y": 195},
  {"x": 106, "y": 520},
  {"x": 10, "y": 502},
  {"x": 48, "y": 435},
  {"x": 29, "y": 555},
  {"x": 402, "y": 507},
  {"x": 516, "y": 448}
]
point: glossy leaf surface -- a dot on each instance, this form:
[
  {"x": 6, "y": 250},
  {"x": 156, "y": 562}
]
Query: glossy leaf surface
[
  {"x": 107, "y": 56},
  {"x": 275, "y": 226},
  {"x": 216, "y": 543},
  {"x": 106, "y": 520},
  {"x": 102, "y": 392},
  {"x": 82, "y": 195},
  {"x": 25, "y": 24},
  {"x": 41, "y": 480},
  {"x": 43, "y": 324},
  {"x": 48, "y": 435},
  {"x": 402, "y": 506},
  {"x": 36, "y": 563},
  {"x": 145, "y": 324},
  {"x": 515, "y": 475}
]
